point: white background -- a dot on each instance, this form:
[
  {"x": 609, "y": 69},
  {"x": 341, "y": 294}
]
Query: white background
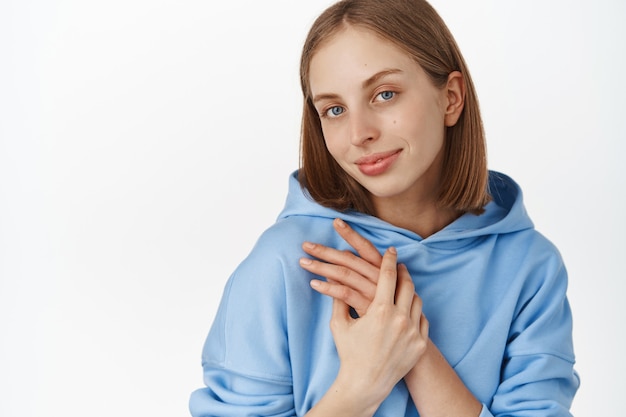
[{"x": 145, "y": 144}]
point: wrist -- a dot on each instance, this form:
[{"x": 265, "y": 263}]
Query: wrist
[
  {"x": 358, "y": 395},
  {"x": 426, "y": 360},
  {"x": 437, "y": 390}
]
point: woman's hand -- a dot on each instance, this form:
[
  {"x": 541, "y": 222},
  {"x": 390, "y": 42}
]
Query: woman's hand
[
  {"x": 350, "y": 278},
  {"x": 378, "y": 349},
  {"x": 356, "y": 281}
]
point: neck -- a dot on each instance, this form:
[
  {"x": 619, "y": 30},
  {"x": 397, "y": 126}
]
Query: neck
[
  {"x": 425, "y": 219},
  {"x": 417, "y": 209}
]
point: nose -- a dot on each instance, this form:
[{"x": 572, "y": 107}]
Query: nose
[{"x": 363, "y": 127}]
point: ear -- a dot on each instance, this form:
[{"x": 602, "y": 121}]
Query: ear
[{"x": 455, "y": 96}]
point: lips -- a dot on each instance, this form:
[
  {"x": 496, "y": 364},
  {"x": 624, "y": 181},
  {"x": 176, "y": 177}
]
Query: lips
[{"x": 377, "y": 163}]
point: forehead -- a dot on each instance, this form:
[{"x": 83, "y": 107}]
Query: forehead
[{"x": 354, "y": 54}]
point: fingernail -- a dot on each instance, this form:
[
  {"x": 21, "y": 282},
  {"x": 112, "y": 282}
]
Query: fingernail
[
  {"x": 308, "y": 245},
  {"x": 340, "y": 223},
  {"x": 315, "y": 283},
  {"x": 392, "y": 250},
  {"x": 305, "y": 261}
]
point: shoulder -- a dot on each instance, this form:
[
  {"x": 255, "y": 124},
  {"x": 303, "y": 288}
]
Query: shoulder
[
  {"x": 542, "y": 284},
  {"x": 533, "y": 258},
  {"x": 283, "y": 240},
  {"x": 275, "y": 255}
]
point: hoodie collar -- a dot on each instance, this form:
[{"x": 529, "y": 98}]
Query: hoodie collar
[{"x": 504, "y": 214}]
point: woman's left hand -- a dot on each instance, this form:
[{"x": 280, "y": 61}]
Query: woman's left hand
[{"x": 350, "y": 278}]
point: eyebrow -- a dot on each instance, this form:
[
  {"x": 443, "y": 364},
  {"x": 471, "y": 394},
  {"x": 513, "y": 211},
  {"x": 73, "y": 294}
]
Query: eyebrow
[
  {"x": 367, "y": 83},
  {"x": 381, "y": 74}
]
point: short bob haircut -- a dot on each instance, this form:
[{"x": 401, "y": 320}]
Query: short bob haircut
[{"x": 415, "y": 27}]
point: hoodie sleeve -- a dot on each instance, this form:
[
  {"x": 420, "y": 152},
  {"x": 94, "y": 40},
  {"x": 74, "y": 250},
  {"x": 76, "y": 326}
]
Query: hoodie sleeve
[
  {"x": 245, "y": 358},
  {"x": 537, "y": 376}
]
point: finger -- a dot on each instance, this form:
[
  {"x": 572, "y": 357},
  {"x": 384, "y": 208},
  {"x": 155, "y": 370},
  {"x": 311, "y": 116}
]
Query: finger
[
  {"x": 424, "y": 326},
  {"x": 342, "y": 275},
  {"x": 417, "y": 312},
  {"x": 405, "y": 291},
  {"x": 340, "y": 316},
  {"x": 364, "y": 247},
  {"x": 343, "y": 293},
  {"x": 343, "y": 258},
  {"x": 386, "y": 288}
]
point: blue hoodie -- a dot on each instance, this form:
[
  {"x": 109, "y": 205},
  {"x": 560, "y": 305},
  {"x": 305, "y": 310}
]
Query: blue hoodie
[{"x": 494, "y": 292}]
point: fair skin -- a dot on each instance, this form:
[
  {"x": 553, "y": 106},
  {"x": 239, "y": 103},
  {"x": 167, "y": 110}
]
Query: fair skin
[
  {"x": 384, "y": 123},
  {"x": 435, "y": 388},
  {"x": 392, "y": 332}
]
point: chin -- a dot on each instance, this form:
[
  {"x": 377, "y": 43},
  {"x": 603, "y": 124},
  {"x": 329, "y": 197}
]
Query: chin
[{"x": 385, "y": 192}]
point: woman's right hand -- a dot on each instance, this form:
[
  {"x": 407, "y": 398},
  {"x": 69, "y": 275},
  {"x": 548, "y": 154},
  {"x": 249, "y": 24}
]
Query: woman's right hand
[
  {"x": 356, "y": 279},
  {"x": 349, "y": 277}
]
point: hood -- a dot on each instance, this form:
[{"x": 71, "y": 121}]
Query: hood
[{"x": 504, "y": 214}]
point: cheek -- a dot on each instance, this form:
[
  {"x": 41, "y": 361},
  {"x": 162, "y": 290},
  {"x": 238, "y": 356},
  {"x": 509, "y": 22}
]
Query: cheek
[
  {"x": 333, "y": 139},
  {"x": 424, "y": 122}
]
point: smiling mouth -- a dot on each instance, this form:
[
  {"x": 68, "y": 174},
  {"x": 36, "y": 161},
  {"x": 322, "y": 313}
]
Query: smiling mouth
[
  {"x": 377, "y": 164},
  {"x": 376, "y": 158}
]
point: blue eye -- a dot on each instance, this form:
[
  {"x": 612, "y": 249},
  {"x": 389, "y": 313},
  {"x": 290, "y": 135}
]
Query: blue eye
[
  {"x": 387, "y": 95},
  {"x": 334, "y": 111}
]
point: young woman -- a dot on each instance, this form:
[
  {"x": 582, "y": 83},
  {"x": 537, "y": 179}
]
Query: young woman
[{"x": 464, "y": 313}]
